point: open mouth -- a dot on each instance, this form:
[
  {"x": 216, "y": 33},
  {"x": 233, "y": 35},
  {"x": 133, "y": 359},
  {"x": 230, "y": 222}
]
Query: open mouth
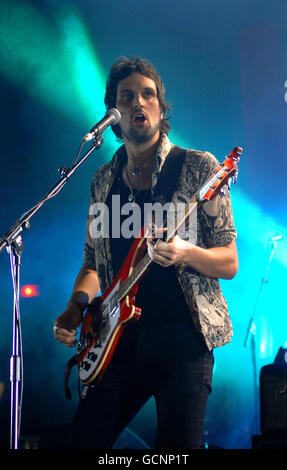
[{"x": 139, "y": 119}]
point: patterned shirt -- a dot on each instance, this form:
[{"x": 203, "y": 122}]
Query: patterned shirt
[{"x": 215, "y": 227}]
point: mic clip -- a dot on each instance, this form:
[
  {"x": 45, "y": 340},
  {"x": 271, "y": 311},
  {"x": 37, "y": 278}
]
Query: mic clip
[{"x": 97, "y": 141}]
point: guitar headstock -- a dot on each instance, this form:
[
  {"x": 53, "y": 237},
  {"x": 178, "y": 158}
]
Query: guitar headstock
[{"x": 223, "y": 175}]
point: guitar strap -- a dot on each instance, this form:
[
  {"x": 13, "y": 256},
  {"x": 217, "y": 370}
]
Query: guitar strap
[
  {"x": 70, "y": 364},
  {"x": 169, "y": 175}
]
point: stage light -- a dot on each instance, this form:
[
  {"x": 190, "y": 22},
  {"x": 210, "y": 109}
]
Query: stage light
[
  {"x": 65, "y": 74},
  {"x": 30, "y": 290},
  {"x": 86, "y": 72}
]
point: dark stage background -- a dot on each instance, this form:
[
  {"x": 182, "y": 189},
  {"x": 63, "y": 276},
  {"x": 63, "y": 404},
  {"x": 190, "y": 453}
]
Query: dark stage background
[{"x": 224, "y": 64}]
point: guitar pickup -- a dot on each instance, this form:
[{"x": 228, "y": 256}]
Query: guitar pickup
[{"x": 113, "y": 310}]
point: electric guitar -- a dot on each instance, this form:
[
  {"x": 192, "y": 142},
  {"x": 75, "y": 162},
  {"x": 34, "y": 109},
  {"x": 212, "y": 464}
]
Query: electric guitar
[{"x": 108, "y": 315}]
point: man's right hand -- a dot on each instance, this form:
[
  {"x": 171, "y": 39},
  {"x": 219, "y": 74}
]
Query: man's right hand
[
  {"x": 65, "y": 326},
  {"x": 86, "y": 288}
]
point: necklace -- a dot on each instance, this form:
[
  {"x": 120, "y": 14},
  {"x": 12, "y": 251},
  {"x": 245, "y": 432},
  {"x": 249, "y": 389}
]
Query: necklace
[
  {"x": 132, "y": 195},
  {"x": 136, "y": 171}
]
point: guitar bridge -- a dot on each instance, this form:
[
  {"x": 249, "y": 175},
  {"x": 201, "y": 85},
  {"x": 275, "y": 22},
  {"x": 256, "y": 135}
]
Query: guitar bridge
[{"x": 84, "y": 343}]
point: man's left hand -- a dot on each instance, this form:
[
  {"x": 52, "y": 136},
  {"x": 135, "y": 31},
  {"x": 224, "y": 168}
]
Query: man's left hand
[{"x": 169, "y": 253}]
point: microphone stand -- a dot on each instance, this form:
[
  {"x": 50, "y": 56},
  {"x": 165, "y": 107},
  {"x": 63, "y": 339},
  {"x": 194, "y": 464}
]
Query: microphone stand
[
  {"x": 14, "y": 245},
  {"x": 251, "y": 330}
]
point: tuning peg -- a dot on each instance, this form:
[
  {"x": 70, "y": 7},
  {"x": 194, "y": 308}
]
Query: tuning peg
[
  {"x": 234, "y": 178},
  {"x": 231, "y": 181},
  {"x": 236, "y": 158},
  {"x": 221, "y": 193}
]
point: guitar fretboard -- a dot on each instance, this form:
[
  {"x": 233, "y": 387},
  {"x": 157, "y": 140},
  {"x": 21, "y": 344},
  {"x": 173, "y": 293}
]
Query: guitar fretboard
[{"x": 137, "y": 273}]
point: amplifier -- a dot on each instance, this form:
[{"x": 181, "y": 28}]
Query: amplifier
[{"x": 273, "y": 398}]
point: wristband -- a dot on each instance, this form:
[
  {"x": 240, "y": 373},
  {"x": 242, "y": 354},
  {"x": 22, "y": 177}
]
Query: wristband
[{"x": 81, "y": 299}]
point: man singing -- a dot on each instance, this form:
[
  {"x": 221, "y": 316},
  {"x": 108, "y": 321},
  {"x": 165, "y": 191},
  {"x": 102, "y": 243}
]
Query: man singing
[{"x": 168, "y": 352}]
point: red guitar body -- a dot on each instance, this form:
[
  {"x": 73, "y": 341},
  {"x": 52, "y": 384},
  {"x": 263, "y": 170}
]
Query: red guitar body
[{"x": 108, "y": 315}]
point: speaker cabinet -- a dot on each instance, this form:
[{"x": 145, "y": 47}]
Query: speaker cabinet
[
  {"x": 274, "y": 440},
  {"x": 273, "y": 398}
]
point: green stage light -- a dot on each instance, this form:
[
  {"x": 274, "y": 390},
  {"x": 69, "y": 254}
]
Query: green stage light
[
  {"x": 55, "y": 65},
  {"x": 86, "y": 72},
  {"x": 30, "y": 54}
]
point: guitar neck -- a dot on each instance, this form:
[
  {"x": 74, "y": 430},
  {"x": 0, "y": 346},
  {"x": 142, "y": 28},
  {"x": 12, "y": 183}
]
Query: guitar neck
[{"x": 139, "y": 270}]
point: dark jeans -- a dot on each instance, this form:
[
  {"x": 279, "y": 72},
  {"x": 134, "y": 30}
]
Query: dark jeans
[{"x": 177, "y": 372}]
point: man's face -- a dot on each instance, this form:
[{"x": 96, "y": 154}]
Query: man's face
[{"x": 138, "y": 104}]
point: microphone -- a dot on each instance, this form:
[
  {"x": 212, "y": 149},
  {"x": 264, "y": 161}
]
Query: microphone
[{"x": 111, "y": 117}]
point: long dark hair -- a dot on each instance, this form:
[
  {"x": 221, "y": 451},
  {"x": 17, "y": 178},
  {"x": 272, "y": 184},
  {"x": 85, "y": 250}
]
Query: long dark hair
[{"x": 122, "y": 69}]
